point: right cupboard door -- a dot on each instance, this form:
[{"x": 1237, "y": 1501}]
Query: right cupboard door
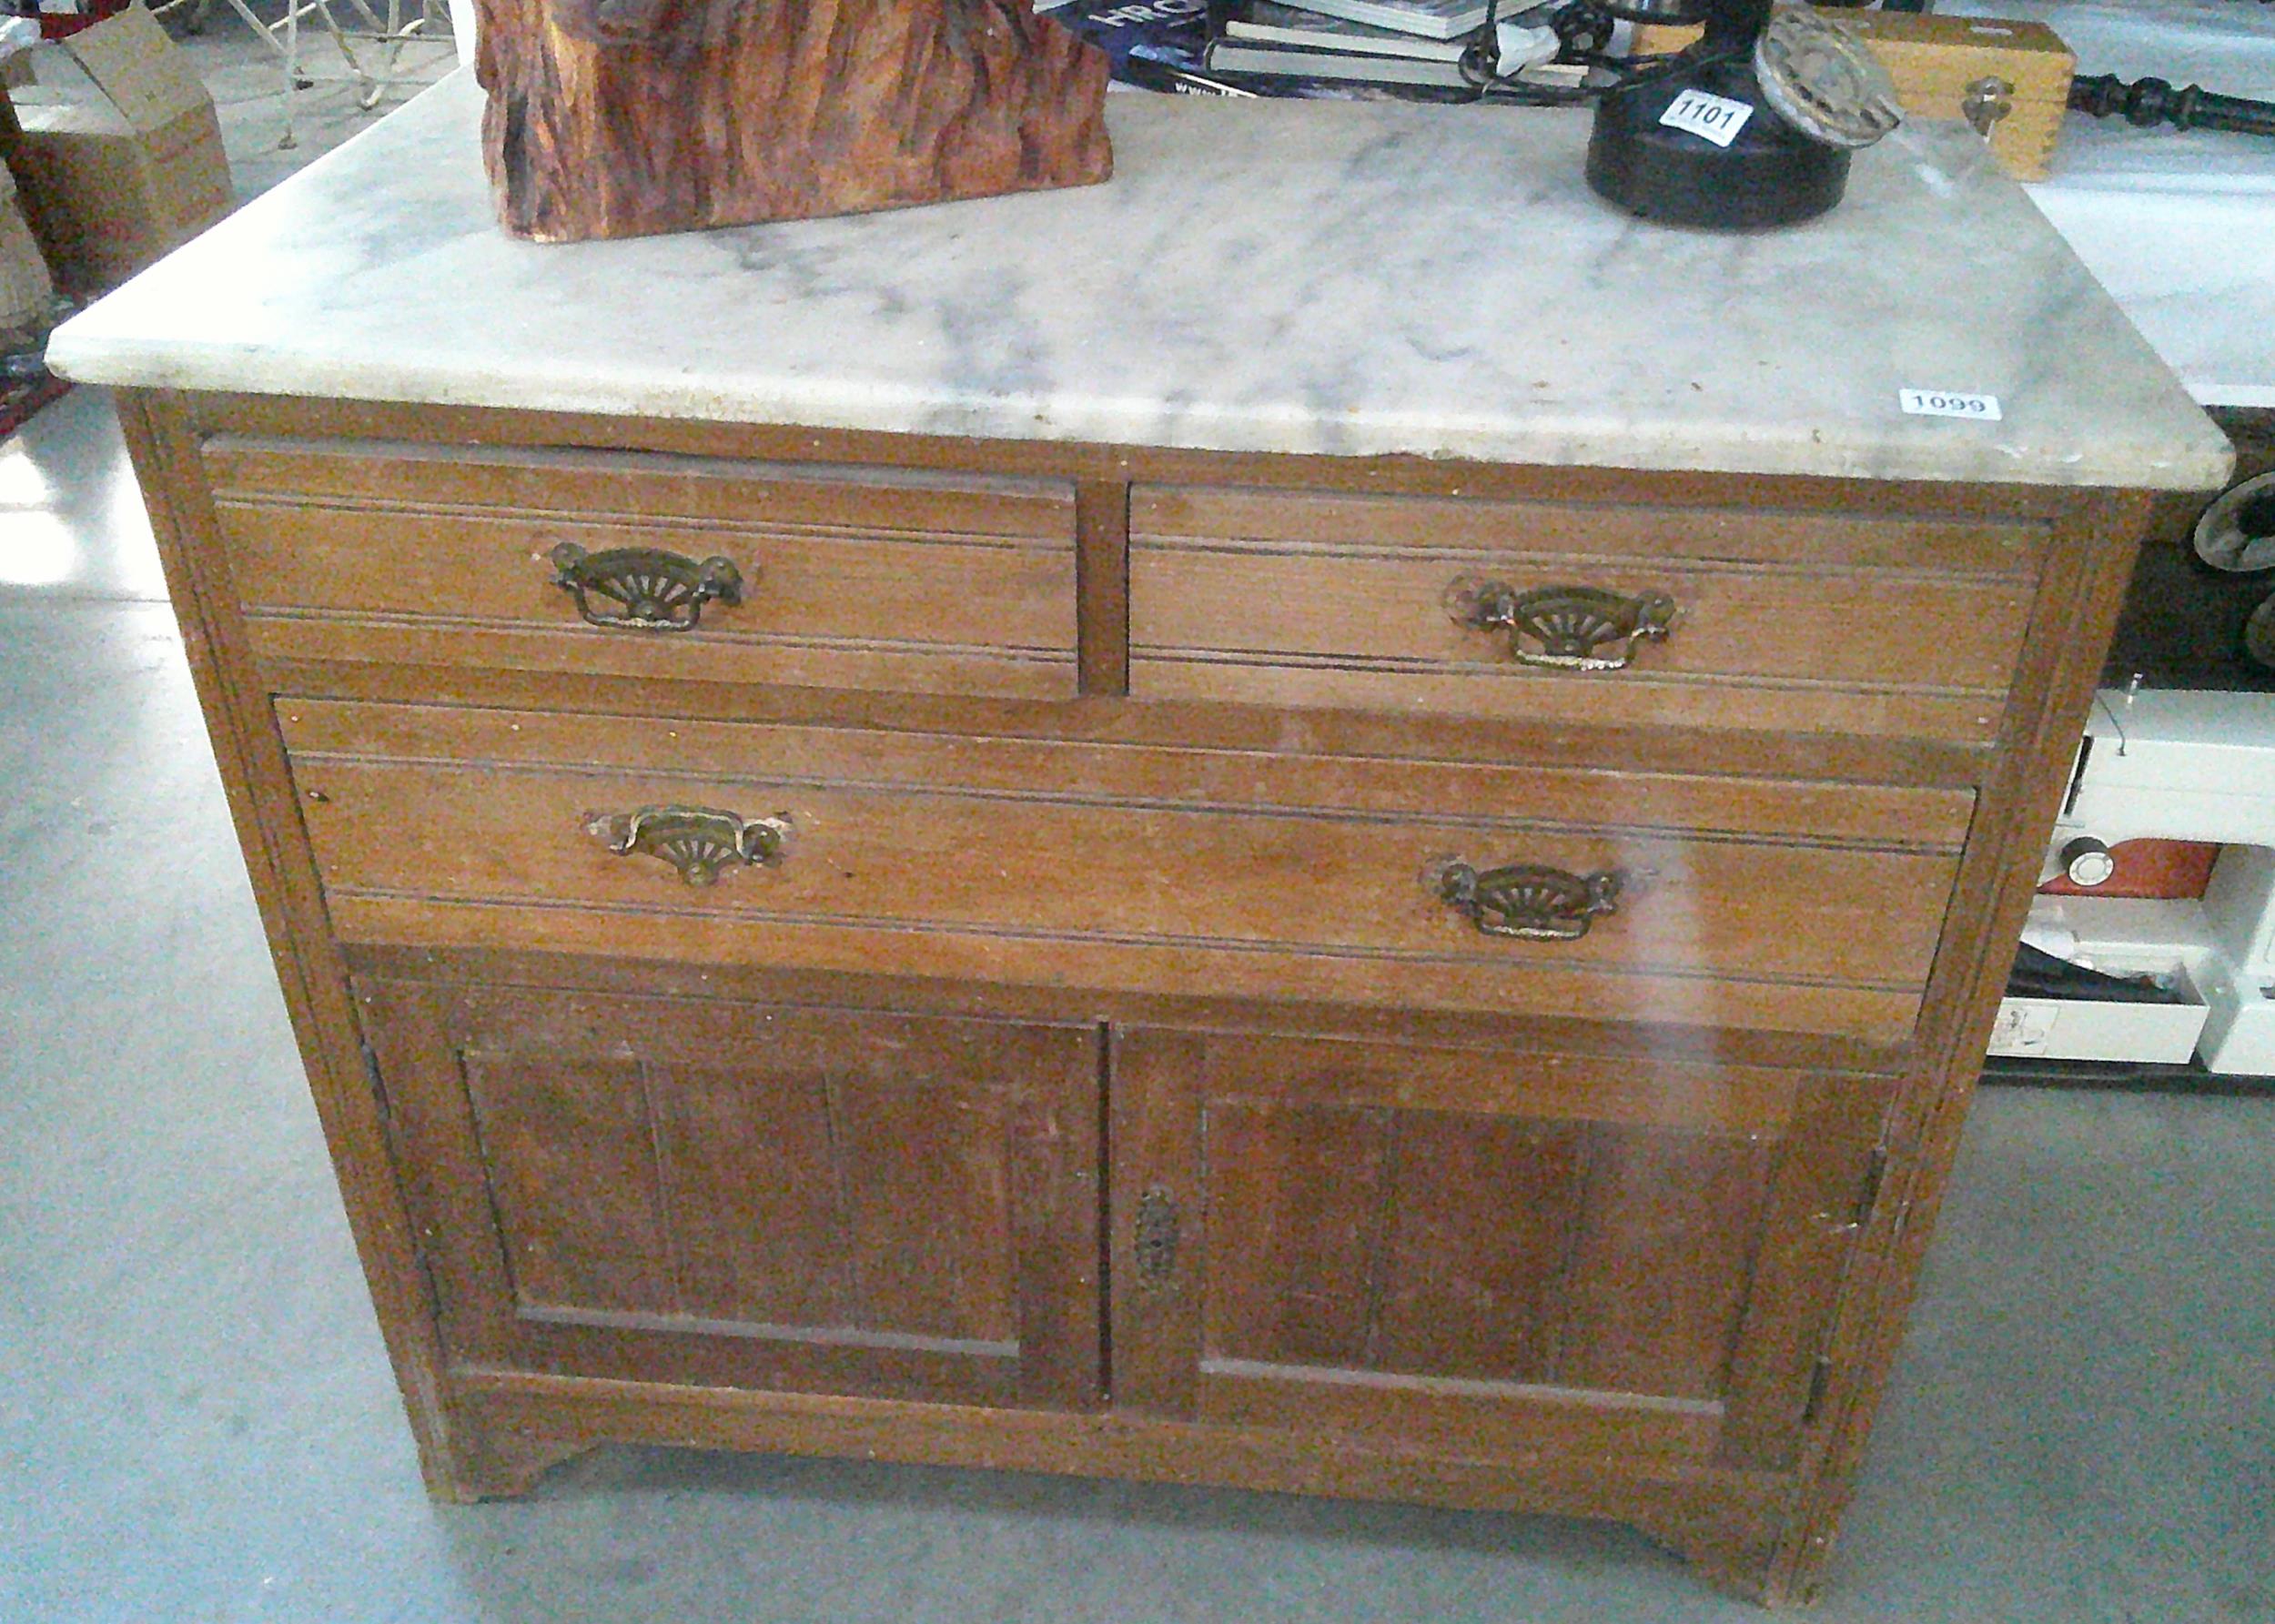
[{"x": 1480, "y": 1254}]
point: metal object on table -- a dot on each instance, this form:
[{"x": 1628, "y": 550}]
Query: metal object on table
[
  {"x": 1750, "y": 126},
  {"x": 1988, "y": 100},
  {"x": 2236, "y": 531},
  {"x": 1819, "y": 76}
]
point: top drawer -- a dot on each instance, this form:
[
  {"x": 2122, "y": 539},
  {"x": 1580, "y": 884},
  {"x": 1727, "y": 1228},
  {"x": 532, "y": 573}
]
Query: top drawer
[
  {"x": 848, "y": 578},
  {"x": 1805, "y": 621}
]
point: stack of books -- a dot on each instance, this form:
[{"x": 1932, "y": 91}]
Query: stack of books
[
  {"x": 1401, "y": 47},
  {"x": 1364, "y": 41}
]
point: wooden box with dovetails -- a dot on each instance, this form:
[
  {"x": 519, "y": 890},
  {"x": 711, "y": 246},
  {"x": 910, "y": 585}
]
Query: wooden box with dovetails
[
  {"x": 2007, "y": 77},
  {"x": 1452, "y": 977}
]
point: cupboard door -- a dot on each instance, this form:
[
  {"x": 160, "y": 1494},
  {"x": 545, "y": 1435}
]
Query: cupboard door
[
  {"x": 1478, "y": 1254},
  {"x": 696, "y": 1191}
]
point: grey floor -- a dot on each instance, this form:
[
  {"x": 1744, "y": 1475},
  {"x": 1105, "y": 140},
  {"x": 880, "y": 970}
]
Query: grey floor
[
  {"x": 246, "y": 84},
  {"x": 245, "y": 80},
  {"x": 196, "y": 1422}
]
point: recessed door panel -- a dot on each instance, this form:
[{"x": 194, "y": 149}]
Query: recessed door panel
[
  {"x": 700, "y": 1191},
  {"x": 1446, "y": 1249}
]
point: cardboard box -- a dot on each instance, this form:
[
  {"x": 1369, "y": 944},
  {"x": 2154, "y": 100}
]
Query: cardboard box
[
  {"x": 115, "y": 176},
  {"x": 17, "y": 37},
  {"x": 26, "y": 295},
  {"x": 2022, "y": 69}
]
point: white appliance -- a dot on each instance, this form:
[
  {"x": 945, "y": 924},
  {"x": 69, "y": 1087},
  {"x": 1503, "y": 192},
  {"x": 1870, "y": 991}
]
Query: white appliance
[{"x": 2174, "y": 764}]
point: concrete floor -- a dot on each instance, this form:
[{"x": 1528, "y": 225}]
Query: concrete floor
[
  {"x": 246, "y": 84},
  {"x": 197, "y": 1421},
  {"x": 245, "y": 80}
]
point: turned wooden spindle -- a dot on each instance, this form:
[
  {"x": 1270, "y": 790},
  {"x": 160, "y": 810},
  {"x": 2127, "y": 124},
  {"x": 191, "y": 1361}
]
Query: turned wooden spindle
[{"x": 2151, "y": 102}]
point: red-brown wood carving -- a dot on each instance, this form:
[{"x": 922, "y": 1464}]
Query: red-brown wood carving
[{"x": 621, "y": 117}]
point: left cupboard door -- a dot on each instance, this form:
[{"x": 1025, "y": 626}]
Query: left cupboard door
[{"x": 698, "y": 1191}]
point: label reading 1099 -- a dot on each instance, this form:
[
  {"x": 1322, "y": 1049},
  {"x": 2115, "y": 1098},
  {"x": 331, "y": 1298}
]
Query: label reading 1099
[
  {"x": 1945, "y": 403},
  {"x": 1717, "y": 118}
]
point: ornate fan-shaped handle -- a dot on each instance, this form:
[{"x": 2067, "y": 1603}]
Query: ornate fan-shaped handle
[
  {"x": 1562, "y": 628},
  {"x": 650, "y": 590},
  {"x": 700, "y": 843},
  {"x": 1528, "y": 900}
]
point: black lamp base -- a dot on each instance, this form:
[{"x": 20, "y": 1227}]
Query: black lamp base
[{"x": 1769, "y": 175}]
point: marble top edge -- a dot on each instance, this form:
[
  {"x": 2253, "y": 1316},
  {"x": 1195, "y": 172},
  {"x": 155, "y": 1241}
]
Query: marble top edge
[
  {"x": 1697, "y": 448},
  {"x": 1331, "y": 298}
]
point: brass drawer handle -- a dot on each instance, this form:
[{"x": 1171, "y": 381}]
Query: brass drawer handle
[
  {"x": 1529, "y": 900},
  {"x": 698, "y": 842},
  {"x": 653, "y": 590},
  {"x": 1568, "y": 629}
]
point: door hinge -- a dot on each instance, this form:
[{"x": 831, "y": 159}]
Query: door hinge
[
  {"x": 378, "y": 1081},
  {"x": 426, "y": 1278},
  {"x": 1820, "y": 1379},
  {"x": 1868, "y": 1194},
  {"x": 1156, "y": 1241}
]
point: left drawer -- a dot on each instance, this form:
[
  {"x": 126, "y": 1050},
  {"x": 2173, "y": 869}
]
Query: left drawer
[{"x": 651, "y": 567}]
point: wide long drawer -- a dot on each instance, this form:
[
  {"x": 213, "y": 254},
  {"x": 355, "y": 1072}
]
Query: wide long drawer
[
  {"x": 649, "y": 566},
  {"x": 1606, "y": 613},
  {"x": 1618, "y": 895}
]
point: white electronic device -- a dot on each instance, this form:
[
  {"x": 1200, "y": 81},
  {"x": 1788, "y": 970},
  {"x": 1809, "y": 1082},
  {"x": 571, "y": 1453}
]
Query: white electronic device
[{"x": 2173, "y": 764}]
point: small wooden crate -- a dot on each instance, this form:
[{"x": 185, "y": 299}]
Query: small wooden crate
[{"x": 1937, "y": 62}]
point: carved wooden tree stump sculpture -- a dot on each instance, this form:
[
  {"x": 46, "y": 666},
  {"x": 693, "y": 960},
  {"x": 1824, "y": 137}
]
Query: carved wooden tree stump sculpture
[{"x": 621, "y": 117}]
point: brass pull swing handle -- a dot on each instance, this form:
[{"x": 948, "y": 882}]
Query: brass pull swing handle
[
  {"x": 653, "y": 590},
  {"x": 1570, "y": 628},
  {"x": 700, "y": 843},
  {"x": 1529, "y": 900}
]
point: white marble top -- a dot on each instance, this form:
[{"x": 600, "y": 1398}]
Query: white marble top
[
  {"x": 1297, "y": 276},
  {"x": 2180, "y": 227}
]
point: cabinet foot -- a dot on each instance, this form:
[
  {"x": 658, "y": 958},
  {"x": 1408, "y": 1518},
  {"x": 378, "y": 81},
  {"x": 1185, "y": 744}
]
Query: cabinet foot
[
  {"x": 497, "y": 1465},
  {"x": 1739, "y": 1560}
]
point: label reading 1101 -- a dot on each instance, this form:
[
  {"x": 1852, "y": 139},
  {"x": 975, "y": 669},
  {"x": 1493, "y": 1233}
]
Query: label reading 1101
[
  {"x": 1717, "y": 118},
  {"x": 1945, "y": 403}
]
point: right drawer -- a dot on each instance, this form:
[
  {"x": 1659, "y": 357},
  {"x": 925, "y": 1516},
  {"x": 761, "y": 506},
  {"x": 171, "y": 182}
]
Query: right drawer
[{"x": 1607, "y": 613}]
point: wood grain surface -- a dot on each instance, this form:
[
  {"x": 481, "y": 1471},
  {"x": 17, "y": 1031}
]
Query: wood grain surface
[
  {"x": 737, "y": 1194},
  {"x": 843, "y": 1155},
  {"x": 852, "y": 578},
  {"x": 1145, "y": 867},
  {"x": 621, "y": 117},
  {"x": 1467, "y": 1254},
  {"x": 1813, "y": 621}
]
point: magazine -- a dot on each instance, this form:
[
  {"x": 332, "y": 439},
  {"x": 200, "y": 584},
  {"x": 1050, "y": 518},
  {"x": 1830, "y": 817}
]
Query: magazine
[{"x": 1172, "y": 32}]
